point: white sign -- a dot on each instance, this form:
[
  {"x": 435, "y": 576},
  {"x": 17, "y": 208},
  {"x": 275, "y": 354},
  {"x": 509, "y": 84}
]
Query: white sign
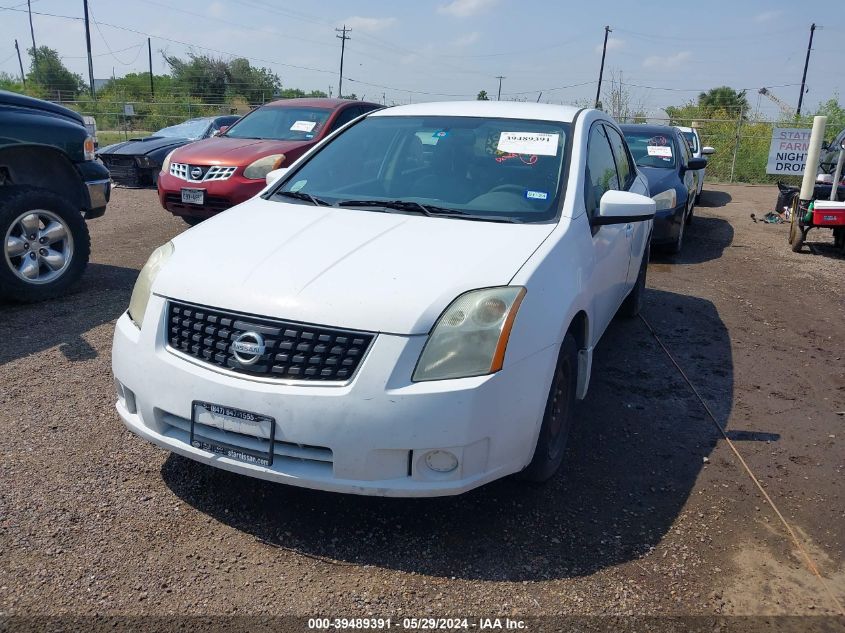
[
  {"x": 534, "y": 143},
  {"x": 303, "y": 126},
  {"x": 788, "y": 151},
  {"x": 664, "y": 151}
]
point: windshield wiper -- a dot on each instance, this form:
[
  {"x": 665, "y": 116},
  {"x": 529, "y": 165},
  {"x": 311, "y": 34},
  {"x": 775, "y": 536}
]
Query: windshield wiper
[
  {"x": 431, "y": 210},
  {"x": 299, "y": 195}
]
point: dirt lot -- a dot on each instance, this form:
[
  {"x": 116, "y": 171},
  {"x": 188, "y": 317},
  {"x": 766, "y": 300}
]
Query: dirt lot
[{"x": 652, "y": 513}]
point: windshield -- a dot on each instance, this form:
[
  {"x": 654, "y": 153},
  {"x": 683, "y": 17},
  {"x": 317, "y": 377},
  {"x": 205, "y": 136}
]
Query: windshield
[
  {"x": 483, "y": 168},
  {"x": 281, "y": 124},
  {"x": 692, "y": 139},
  {"x": 652, "y": 150},
  {"x": 193, "y": 129}
]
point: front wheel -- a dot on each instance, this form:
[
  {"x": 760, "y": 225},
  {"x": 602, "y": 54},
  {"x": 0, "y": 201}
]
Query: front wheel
[
  {"x": 634, "y": 301},
  {"x": 558, "y": 416},
  {"x": 678, "y": 244},
  {"x": 45, "y": 244}
]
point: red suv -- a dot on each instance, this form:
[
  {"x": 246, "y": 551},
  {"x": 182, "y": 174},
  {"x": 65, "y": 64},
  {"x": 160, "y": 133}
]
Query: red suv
[{"x": 209, "y": 176}]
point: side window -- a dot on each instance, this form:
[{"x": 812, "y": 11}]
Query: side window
[
  {"x": 685, "y": 149},
  {"x": 601, "y": 173},
  {"x": 345, "y": 117},
  {"x": 624, "y": 164}
]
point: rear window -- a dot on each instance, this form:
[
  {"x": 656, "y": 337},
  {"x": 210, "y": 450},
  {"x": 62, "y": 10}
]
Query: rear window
[{"x": 652, "y": 150}]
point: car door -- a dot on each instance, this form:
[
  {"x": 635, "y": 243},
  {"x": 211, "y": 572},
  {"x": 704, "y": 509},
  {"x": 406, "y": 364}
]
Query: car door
[
  {"x": 611, "y": 245},
  {"x": 637, "y": 232}
]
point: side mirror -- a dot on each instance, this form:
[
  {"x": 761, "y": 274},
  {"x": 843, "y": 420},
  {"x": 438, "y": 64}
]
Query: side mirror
[
  {"x": 222, "y": 129},
  {"x": 707, "y": 150},
  {"x": 622, "y": 207},
  {"x": 842, "y": 144},
  {"x": 694, "y": 164},
  {"x": 274, "y": 175}
]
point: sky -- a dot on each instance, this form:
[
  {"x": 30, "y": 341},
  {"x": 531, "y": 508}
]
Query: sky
[{"x": 427, "y": 50}]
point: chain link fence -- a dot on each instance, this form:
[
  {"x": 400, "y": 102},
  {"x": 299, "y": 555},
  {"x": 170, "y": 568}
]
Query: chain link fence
[{"x": 741, "y": 144}]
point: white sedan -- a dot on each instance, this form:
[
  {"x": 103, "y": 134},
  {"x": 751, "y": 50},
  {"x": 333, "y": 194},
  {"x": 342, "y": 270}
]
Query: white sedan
[{"x": 410, "y": 309}]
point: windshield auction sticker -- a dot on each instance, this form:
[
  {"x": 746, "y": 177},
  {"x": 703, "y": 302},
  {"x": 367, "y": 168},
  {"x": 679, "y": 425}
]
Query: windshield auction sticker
[
  {"x": 664, "y": 151},
  {"x": 536, "y": 143},
  {"x": 303, "y": 126}
]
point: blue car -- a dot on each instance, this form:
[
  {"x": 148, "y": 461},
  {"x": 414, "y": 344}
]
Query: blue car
[{"x": 663, "y": 157}]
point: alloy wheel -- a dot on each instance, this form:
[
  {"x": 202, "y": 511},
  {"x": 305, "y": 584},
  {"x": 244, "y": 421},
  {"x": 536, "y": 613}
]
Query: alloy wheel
[{"x": 38, "y": 246}]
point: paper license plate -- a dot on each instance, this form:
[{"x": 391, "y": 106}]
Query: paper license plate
[
  {"x": 231, "y": 420},
  {"x": 193, "y": 196}
]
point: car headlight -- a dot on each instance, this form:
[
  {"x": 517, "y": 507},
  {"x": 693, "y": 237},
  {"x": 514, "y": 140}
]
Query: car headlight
[
  {"x": 144, "y": 285},
  {"x": 88, "y": 148},
  {"x": 666, "y": 199},
  {"x": 263, "y": 166},
  {"x": 165, "y": 166},
  {"x": 470, "y": 337}
]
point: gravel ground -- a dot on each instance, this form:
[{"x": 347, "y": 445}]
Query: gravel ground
[{"x": 651, "y": 514}]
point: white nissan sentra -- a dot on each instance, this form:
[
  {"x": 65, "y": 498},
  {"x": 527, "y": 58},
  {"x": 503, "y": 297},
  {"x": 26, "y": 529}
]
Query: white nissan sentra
[{"x": 410, "y": 309}]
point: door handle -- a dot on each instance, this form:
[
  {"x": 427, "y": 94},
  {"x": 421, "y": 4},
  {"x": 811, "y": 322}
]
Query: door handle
[{"x": 629, "y": 228}]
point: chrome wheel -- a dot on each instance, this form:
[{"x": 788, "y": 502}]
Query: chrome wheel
[{"x": 38, "y": 246}]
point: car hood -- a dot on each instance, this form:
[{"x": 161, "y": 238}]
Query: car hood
[
  {"x": 363, "y": 270},
  {"x": 142, "y": 146},
  {"x": 660, "y": 179},
  {"x": 234, "y": 151}
]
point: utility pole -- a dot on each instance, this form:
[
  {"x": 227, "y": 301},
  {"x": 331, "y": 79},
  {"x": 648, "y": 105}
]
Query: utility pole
[
  {"x": 343, "y": 37},
  {"x": 20, "y": 63},
  {"x": 601, "y": 70},
  {"x": 32, "y": 32},
  {"x": 806, "y": 64},
  {"x": 499, "y": 95},
  {"x": 150, "y": 55},
  {"x": 88, "y": 46}
]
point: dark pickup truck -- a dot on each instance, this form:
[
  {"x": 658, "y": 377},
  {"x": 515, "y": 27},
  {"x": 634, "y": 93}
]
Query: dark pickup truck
[{"x": 50, "y": 185}]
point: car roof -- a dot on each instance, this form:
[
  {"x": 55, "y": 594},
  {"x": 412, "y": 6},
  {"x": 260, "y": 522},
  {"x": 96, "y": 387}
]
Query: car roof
[
  {"x": 491, "y": 109},
  {"x": 685, "y": 129},
  {"x": 648, "y": 128},
  {"x": 314, "y": 102}
]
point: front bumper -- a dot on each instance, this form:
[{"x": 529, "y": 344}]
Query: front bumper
[
  {"x": 219, "y": 195},
  {"x": 368, "y": 436},
  {"x": 99, "y": 192}
]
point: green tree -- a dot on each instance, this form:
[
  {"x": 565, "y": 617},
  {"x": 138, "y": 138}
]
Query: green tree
[
  {"x": 256, "y": 85},
  {"x": 482, "y": 96},
  {"x": 49, "y": 73},
  {"x": 723, "y": 98}
]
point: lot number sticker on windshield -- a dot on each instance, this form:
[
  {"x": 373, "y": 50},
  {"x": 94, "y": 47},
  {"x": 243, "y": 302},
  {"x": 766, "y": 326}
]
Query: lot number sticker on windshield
[
  {"x": 536, "y": 143},
  {"x": 664, "y": 151},
  {"x": 303, "y": 126}
]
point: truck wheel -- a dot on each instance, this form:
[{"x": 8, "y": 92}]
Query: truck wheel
[
  {"x": 797, "y": 241},
  {"x": 634, "y": 301},
  {"x": 557, "y": 419},
  {"x": 45, "y": 244}
]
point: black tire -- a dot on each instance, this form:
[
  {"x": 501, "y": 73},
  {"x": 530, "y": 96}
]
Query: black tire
[
  {"x": 558, "y": 416},
  {"x": 675, "y": 248},
  {"x": 192, "y": 220},
  {"x": 797, "y": 241},
  {"x": 17, "y": 200},
  {"x": 634, "y": 301}
]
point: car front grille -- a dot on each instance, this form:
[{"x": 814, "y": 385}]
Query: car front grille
[
  {"x": 293, "y": 351},
  {"x": 122, "y": 169},
  {"x": 207, "y": 173}
]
